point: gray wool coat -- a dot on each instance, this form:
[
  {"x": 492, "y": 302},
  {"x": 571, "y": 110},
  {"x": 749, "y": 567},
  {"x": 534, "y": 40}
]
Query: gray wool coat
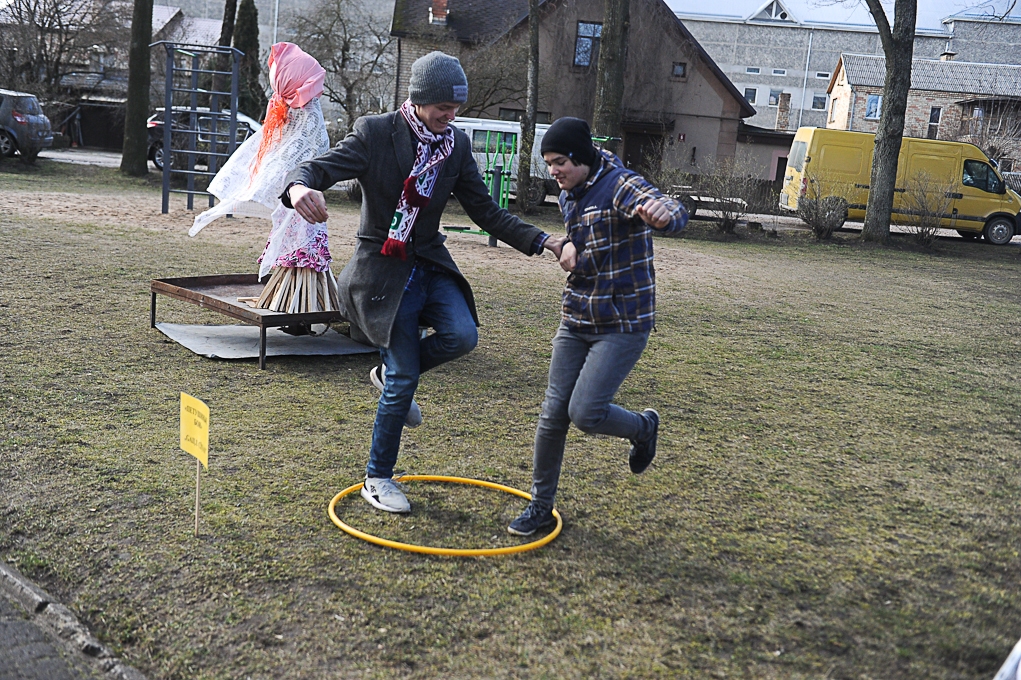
[{"x": 379, "y": 152}]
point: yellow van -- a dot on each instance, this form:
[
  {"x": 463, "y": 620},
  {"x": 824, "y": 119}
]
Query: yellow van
[{"x": 825, "y": 162}]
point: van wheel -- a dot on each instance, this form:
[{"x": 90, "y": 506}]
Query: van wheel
[
  {"x": 968, "y": 235},
  {"x": 999, "y": 231},
  {"x": 536, "y": 192}
]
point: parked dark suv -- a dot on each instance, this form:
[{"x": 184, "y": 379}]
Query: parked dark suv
[
  {"x": 179, "y": 140},
  {"x": 23, "y": 127}
]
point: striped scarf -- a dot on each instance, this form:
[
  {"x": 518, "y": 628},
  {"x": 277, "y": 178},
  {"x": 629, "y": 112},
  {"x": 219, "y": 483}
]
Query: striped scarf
[{"x": 418, "y": 187}]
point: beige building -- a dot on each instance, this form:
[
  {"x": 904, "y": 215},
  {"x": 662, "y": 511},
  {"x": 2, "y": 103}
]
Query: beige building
[
  {"x": 959, "y": 101},
  {"x": 679, "y": 106}
]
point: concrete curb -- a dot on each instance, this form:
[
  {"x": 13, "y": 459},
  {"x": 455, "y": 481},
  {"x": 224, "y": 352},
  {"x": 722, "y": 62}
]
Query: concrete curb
[{"x": 61, "y": 622}]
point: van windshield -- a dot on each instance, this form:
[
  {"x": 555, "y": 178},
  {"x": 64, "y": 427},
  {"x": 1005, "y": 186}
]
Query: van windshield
[{"x": 797, "y": 156}]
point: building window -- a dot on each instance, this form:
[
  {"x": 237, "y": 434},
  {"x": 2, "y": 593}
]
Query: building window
[
  {"x": 680, "y": 69},
  {"x": 586, "y": 49},
  {"x": 819, "y": 101},
  {"x": 833, "y": 110},
  {"x": 823, "y": 75},
  {"x": 779, "y": 72},
  {"x": 774, "y": 97},
  {"x": 750, "y": 93},
  {"x": 873, "y": 106},
  {"x": 935, "y": 113},
  {"x": 754, "y": 70},
  {"x": 541, "y": 117}
]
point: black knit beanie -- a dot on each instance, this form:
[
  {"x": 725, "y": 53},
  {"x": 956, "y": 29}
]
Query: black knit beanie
[{"x": 571, "y": 137}]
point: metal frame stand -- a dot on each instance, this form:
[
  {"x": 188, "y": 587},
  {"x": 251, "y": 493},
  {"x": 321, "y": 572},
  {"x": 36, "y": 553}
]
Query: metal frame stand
[{"x": 215, "y": 128}]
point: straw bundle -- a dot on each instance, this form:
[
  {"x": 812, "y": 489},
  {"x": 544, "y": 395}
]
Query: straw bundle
[{"x": 298, "y": 290}]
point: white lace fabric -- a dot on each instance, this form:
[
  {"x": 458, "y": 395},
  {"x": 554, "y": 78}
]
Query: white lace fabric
[{"x": 302, "y": 138}]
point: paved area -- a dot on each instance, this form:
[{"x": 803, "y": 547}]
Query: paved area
[
  {"x": 43, "y": 640},
  {"x": 101, "y": 157},
  {"x": 29, "y": 652}
]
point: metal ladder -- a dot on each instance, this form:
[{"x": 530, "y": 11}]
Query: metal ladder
[{"x": 215, "y": 128}]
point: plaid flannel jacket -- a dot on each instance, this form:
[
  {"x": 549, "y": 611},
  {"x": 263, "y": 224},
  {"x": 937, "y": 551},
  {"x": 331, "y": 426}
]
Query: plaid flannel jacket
[{"x": 613, "y": 286}]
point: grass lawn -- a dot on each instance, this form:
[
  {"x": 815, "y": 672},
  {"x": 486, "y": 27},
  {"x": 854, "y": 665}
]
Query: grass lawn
[{"x": 836, "y": 492}]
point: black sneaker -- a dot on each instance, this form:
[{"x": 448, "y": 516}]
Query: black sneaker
[
  {"x": 642, "y": 453},
  {"x": 536, "y": 516}
]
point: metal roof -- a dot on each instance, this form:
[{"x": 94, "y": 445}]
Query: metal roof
[{"x": 1002, "y": 80}]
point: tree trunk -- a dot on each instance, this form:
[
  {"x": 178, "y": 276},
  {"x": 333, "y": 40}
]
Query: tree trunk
[
  {"x": 531, "y": 106},
  {"x": 135, "y": 151},
  {"x": 608, "y": 110},
  {"x": 223, "y": 63},
  {"x": 898, "y": 46}
]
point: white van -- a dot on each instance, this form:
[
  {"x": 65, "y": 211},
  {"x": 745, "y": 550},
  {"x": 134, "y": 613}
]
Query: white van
[{"x": 495, "y": 142}]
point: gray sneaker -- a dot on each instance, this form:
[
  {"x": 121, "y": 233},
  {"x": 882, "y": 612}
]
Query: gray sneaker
[
  {"x": 384, "y": 494},
  {"x": 414, "y": 417}
]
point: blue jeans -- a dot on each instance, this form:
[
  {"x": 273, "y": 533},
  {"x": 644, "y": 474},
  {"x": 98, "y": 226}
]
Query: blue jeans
[
  {"x": 431, "y": 298},
  {"x": 585, "y": 372}
]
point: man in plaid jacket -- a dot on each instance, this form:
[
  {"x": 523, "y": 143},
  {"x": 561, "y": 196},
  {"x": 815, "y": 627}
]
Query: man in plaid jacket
[{"x": 608, "y": 306}]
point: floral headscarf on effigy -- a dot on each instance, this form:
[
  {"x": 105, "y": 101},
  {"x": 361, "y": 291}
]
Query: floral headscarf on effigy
[{"x": 252, "y": 179}]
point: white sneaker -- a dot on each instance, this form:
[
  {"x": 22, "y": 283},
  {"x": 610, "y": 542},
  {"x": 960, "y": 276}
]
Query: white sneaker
[
  {"x": 414, "y": 417},
  {"x": 384, "y": 494}
]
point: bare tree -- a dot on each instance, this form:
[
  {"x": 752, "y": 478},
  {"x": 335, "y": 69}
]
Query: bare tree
[
  {"x": 356, "y": 49},
  {"x": 928, "y": 199},
  {"x": 524, "y": 196},
  {"x": 995, "y": 127},
  {"x": 898, "y": 46},
  {"x": 824, "y": 206},
  {"x": 221, "y": 83},
  {"x": 719, "y": 190},
  {"x": 494, "y": 71},
  {"x": 134, "y": 156},
  {"x": 608, "y": 109},
  {"x": 44, "y": 40}
]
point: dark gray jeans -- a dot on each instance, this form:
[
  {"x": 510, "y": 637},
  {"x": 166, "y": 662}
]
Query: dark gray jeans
[{"x": 584, "y": 374}]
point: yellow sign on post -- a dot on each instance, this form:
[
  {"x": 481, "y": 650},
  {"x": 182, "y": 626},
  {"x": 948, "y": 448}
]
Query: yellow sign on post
[
  {"x": 195, "y": 439},
  {"x": 195, "y": 428}
]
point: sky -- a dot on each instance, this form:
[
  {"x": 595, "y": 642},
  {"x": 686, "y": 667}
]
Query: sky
[{"x": 930, "y": 12}]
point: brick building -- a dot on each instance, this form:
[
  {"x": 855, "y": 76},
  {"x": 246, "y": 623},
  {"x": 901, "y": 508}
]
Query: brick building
[{"x": 954, "y": 100}]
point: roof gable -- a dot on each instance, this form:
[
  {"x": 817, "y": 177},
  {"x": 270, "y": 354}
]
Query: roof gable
[{"x": 775, "y": 12}]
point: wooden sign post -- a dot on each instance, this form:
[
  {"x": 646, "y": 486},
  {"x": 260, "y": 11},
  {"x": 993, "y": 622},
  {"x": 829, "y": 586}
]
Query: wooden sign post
[{"x": 195, "y": 439}]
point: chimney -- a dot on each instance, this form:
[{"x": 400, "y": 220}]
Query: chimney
[
  {"x": 947, "y": 56},
  {"x": 783, "y": 111},
  {"x": 438, "y": 12}
]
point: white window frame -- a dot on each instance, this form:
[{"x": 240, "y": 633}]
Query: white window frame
[
  {"x": 878, "y": 113},
  {"x": 755, "y": 95},
  {"x": 754, "y": 70},
  {"x": 823, "y": 75},
  {"x": 825, "y": 99},
  {"x": 769, "y": 102},
  {"x": 779, "y": 72}
]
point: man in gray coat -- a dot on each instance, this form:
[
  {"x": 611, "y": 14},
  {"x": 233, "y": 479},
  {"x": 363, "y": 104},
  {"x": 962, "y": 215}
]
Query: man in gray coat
[{"x": 401, "y": 276}]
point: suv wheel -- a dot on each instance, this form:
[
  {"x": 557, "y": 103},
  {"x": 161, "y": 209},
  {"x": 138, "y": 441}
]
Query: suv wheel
[
  {"x": 7, "y": 144},
  {"x": 999, "y": 231}
]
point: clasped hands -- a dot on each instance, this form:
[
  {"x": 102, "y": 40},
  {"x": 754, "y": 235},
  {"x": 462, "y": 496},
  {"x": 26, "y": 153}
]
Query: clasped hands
[{"x": 655, "y": 213}]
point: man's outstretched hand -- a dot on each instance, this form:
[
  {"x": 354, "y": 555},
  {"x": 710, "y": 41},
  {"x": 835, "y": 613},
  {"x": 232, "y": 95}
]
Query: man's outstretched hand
[
  {"x": 555, "y": 244},
  {"x": 655, "y": 213},
  {"x": 308, "y": 203}
]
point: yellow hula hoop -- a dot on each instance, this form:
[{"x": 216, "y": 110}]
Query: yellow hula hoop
[{"x": 452, "y": 552}]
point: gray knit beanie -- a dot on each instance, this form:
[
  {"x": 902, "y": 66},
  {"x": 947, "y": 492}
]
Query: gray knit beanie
[{"x": 437, "y": 77}]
